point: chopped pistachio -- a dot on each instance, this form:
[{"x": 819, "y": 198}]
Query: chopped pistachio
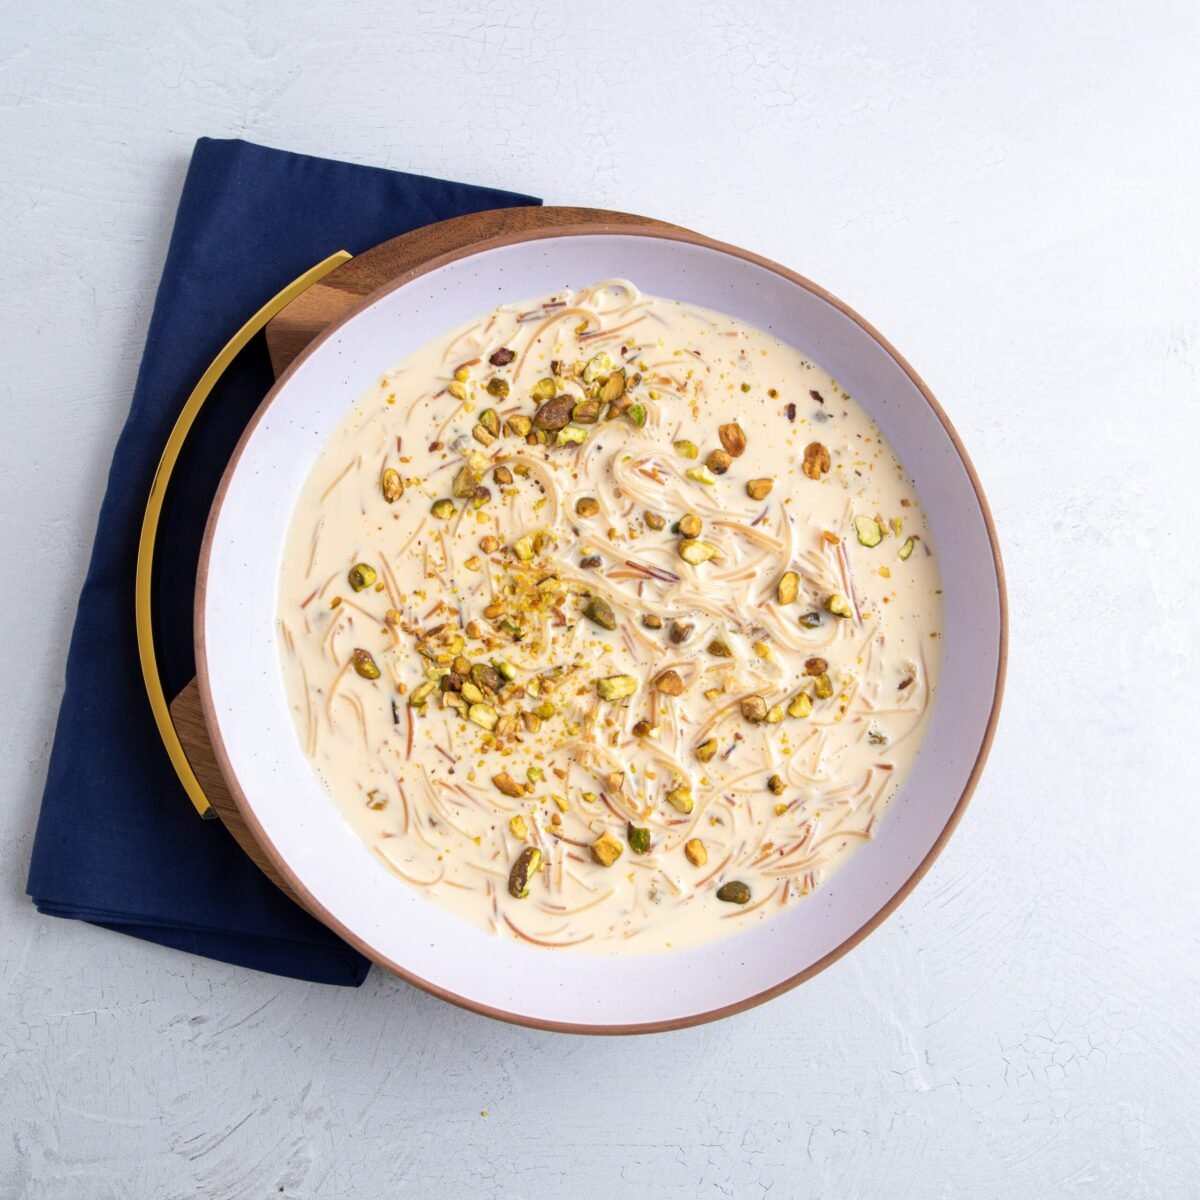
[
  {"x": 707, "y": 750},
  {"x": 463, "y": 486},
  {"x": 639, "y": 839},
  {"x": 442, "y": 509},
  {"x": 391, "y": 485},
  {"x": 523, "y": 548},
  {"x": 616, "y": 687},
  {"x": 544, "y": 389},
  {"x": 775, "y": 785},
  {"x": 497, "y": 387},
  {"x": 393, "y": 616},
  {"x": 789, "y": 587},
  {"x": 780, "y": 809},
  {"x": 590, "y": 562},
  {"x": 458, "y": 390},
  {"x": 774, "y": 714},
  {"x": 572, "y": 435},
  {"x": 545, "y": 710},
  {"x": 587, "y": 506},
  {"x": 823, "y": 687},
  {"x": 485, "y": 676},
  {"x": 816, "y": 460},
  {"x": 534, "y": 774},
  {"x": 597, "y": 367},
  {"x": 643, "y": 729},
  {"x": 481, "y": 497},
  {"x": 519, "y": 426},
  {"x": 506, "y": 670},
  {"x": 719, "y": 648},
  {"x": 599, "y": 612},
  {"x": 483, "y": 715},
  {"x": 502, "y": 357},
  {"x": 680, "y": 798},
  {"x": 733, "y": 438},
  {"x": 463, "y": 373},
  {"x": 613, "y": 388},
  {"x": 700, "y": 475},
  {"x": 868, "y": 530},
  {"x": 506, "y": 784},
  {"x": 364, "y": 664},
  {"x": 554, "y": 414},
  {"x": 606, "y": 849},
  {"x": 482, "y": 436},
  {"x": 361, "y": 576},
  {"x": 586, "y": 412},
  {"x": 490, "y": 420},
  {"x": 810, "y": 620},
  {"x": 654, "y": 520},
  {"x": 376, "y": 800},
  {"x": 669, "y": 683},
  {"x": 838, "y": 605},
  {"x": 652, "y": 621},
  {"x": 637, "y": 414},
  {"x": 679, "y": 632},
  {"x": 759, "y": 489},
  {"x": 761, "y": 650},
  {"x": 686, "y": 449},
  {"x": 754, "y": 708},
  {"x": 909, "y": 546},
  {"x": 531, "y": 721},
  {"x": 489, "y": 543},
  {"x": 815, "y": 666},
  {"x": 471, "y": 692},
  {"x": 734, "y": 892},
  {"x": 719, "y": 461},
  {"x": 421, "y": 694},
  {"x": 517, "y": 827},
  {"x": 696, "y": 852},
  {"x": 503, "y": 476},
  {"x": 528, "y": 863},
  {"x": 693, "y": 551}
]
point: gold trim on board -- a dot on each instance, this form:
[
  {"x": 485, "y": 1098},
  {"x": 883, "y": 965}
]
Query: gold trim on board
[{"x": 144, "y": 579}]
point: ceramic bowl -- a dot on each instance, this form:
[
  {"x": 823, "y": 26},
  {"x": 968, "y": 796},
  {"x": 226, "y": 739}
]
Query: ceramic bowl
[{"x": 296, "y": 822}]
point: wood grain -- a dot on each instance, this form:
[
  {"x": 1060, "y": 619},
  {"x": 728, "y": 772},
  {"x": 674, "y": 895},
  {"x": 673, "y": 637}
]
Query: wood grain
[
  {"x": 193, "y": 733},
  {"x": 287, "y": 335},
  {"x": 331, "y": 298}
]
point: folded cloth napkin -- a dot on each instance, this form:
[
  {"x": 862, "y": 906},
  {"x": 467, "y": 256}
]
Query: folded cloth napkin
[{"x": 118, "y": 842}]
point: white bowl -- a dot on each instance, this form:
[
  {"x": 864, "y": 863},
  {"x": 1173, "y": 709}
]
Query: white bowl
[{"x": 294, "y": 818}]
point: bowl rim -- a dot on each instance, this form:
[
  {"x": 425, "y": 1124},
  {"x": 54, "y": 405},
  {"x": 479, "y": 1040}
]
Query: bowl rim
[{"x": 649, "y": 229}]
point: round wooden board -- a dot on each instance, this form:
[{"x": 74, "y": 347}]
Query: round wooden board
[{"x": 289, "y": 332}]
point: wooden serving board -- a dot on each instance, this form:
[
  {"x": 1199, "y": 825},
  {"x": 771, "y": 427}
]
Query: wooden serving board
[{"x": 288, "y": 333}]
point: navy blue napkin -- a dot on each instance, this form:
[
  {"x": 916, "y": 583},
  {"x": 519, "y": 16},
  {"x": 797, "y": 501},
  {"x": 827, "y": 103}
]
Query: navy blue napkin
[{"x": 118, "y": 842}]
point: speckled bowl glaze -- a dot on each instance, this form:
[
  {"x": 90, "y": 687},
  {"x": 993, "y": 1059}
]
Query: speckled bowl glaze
[{"x": 298, "y": 825}]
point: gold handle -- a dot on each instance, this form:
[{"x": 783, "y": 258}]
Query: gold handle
[{"x": 158, "y": 491}]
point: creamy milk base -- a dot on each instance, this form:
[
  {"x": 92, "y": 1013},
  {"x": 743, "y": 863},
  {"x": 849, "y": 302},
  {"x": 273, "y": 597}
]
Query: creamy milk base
[{"x": 450, "y": 695}]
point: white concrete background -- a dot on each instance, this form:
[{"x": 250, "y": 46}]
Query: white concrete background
[{"x": 1011, "y": 191}]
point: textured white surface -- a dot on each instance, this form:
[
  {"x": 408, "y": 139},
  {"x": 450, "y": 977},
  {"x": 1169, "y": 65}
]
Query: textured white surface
[{"x": 1012, "y": 194}]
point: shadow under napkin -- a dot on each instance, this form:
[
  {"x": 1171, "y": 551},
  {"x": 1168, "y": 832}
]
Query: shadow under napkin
[{"x": 118, "y": 842}]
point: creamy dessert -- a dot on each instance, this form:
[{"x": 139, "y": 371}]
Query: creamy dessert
[{"x": 610, "y": 622}]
